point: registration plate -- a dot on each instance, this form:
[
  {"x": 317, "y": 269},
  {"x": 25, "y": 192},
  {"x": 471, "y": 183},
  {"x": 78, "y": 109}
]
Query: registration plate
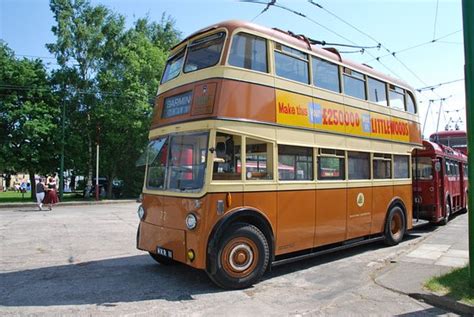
[{"x": 164, "y": 252}]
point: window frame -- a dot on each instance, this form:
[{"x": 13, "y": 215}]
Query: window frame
[
  {"x": 349, "y": 73},
  {"x": 369, "y": 90},
  {"x": 190, "y": 45},
  {"x": 309, "y": 154},
  {"x": 267, "y": 64},
  {"x": 382, "y": 157},
  {"x": 326, "y": 153},
  {"x": 402, "y": 93},
  {"x": 280, "y": 49},
  {"x": 314, "y": 74},
  {"x": 358, "y": 154}
]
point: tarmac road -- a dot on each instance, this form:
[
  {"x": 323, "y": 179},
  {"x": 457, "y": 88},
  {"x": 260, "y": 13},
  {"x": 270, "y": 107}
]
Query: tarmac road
[{"x": 82, "y": 260}]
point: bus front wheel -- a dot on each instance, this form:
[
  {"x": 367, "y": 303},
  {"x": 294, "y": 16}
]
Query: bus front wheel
[
  {"x": 395, "y": 226},
  {"x": 242, "y": 257}
]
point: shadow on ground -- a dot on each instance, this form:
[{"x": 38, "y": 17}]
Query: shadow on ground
[
  {"x": 129, "y": 279},
  {"x": 104, "y": 282}
]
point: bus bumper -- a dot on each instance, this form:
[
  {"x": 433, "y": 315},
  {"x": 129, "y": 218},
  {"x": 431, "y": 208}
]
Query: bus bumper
[
  {"x": 168, "y": 242},
  {"x": 157, "y": 239}
]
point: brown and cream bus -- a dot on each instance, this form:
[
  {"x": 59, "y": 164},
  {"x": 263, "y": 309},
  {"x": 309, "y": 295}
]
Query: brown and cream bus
[{"x": 265, "y": 148}]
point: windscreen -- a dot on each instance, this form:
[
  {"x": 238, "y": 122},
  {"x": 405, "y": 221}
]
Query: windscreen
[
  {"x": 204, "y": 52},
  {"x": 423, "y": 168},
  {"x": 173, "y": 67},
  {"x": 178, "y": 162}
]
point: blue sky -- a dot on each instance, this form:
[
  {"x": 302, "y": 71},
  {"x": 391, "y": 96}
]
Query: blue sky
[{"x": 25, "y": 25}]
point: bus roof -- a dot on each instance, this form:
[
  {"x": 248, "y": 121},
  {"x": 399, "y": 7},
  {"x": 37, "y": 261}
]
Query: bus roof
[
  {"x": 451, "y": 133},
  {"x": 301, "y": 42},
  {"x": 442, "y": 150}
]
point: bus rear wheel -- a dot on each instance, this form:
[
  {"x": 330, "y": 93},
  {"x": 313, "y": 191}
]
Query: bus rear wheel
[
  {"x": 242, "y": 257},
  {"x": 395, "y": 226},
  {"x": 447, "y": 214}
]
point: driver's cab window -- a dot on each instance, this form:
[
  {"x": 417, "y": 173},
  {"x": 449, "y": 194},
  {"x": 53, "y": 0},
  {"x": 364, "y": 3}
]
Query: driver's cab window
[
  {"x": 258, "y": 159},
  {"x": 227, "y": 160}
]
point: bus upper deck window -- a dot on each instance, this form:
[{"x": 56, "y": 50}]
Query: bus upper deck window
[
  {"x": 377, "y": 92},
  {"x": 227, "y": 162},
  {"x": 204, "y": 52},
  {"x": 291, "y": 64},
  {"x": 396, "y": 97},
  {"x": 173, "y": 67},
  {"x": 354, "y": 83},
  {"x": 410, "y": 102},
  {"x": 326, "y": 75},
  {"x": 249, "y": 51}
]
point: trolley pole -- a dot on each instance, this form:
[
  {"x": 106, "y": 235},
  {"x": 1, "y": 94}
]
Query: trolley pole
[{"x": 468, "y": 27}]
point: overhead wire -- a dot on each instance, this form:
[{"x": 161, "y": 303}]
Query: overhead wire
[
  {"x": 432, "y": 87},
  {"x": 435, "y": 20},
  {"x": 418, "y": 45},
  {"x": 390, "y": 52},
  {"x": 273, "y": 3}
]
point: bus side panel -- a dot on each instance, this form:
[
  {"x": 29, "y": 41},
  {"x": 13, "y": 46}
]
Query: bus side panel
[
  {"x": 245, "y": 100},
  {"x": 265, "y": 202},
  {"x": 406, "y": 195},
  {"x": 359, "y": 212},
  {"x": 331, "y": 216},
  {"x": 198, "y": 238},
  {"x": 295, "y": 228},
  {"x": 415, "y": 132},
  {"x": 382, "y": 196}
]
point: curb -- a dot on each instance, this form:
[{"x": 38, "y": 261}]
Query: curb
[
  {"x": 444, "y": 302},
  {"x": 69, "y": 203}
]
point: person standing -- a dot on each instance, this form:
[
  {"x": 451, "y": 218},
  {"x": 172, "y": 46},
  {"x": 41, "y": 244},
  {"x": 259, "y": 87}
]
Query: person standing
[
  {"x": 40, "y": 193},
  {"x": 51, "y": 195}
]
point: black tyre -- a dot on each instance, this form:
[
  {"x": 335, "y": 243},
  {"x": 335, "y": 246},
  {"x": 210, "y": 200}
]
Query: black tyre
[
  {"x": 395, "y": 226},
  {"x": 242, "y": 257},
  {"x": 447, "y": 214},
  {"x": 162, "y": 259}
]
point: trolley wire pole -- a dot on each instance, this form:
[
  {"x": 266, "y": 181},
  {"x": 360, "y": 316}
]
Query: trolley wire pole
[{"x": 468, "y": 27}]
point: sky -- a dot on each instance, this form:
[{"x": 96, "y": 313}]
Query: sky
[{"x": 399, "y": 25}]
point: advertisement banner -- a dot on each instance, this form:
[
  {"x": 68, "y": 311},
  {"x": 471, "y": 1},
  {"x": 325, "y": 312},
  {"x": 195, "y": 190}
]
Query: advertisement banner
[{"x": 303, "y": 111}]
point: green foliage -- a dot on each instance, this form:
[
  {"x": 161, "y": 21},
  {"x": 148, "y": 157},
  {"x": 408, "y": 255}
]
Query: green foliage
[
  {"x": 454, "y": 284},
  {"x": 108, "y": 77},
  {"x": 29, "y": 116}
]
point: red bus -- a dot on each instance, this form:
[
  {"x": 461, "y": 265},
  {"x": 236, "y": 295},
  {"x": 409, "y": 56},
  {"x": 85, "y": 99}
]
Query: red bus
[
  {"x": 455, "y": 139},
  {"x": 439, "y": 182}
]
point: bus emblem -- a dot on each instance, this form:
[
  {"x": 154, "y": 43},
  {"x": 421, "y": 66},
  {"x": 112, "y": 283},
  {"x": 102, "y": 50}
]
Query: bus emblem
[{"x": 360, "y": 200}]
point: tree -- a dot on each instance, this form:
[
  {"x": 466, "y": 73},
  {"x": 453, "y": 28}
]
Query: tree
[
  {"x": 130, "y": 74},
  {"x": 29, "y": 116},
  {"x": 83, "y": 33}
]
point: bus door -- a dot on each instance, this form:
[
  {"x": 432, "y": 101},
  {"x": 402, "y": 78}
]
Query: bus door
[{"x": 438, "y": 186}]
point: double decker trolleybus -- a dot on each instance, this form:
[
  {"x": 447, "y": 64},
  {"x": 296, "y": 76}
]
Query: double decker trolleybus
[
  {"x": 456, "y": 139},
  {"x": 265, "y": 148},
  {"x": 439, "y": 182}
]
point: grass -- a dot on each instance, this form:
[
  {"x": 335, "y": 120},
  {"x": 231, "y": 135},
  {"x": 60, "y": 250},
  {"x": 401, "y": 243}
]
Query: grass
[
  {"x": 16, "y": 197},
  {"x": 454, "y": 284}
]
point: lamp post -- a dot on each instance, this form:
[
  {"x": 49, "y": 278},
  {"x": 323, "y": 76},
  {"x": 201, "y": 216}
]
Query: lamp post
[
  {"x": 468, "y": 27},
  {"x": 61, "y": 167}
]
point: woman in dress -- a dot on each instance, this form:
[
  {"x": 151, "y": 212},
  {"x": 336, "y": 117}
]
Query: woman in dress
[{"x": 51, "y": 195}]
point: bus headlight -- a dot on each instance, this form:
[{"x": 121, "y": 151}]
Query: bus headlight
[
  {"x": 141, "y": 212},
  {"x": 191, "y": 221}
]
